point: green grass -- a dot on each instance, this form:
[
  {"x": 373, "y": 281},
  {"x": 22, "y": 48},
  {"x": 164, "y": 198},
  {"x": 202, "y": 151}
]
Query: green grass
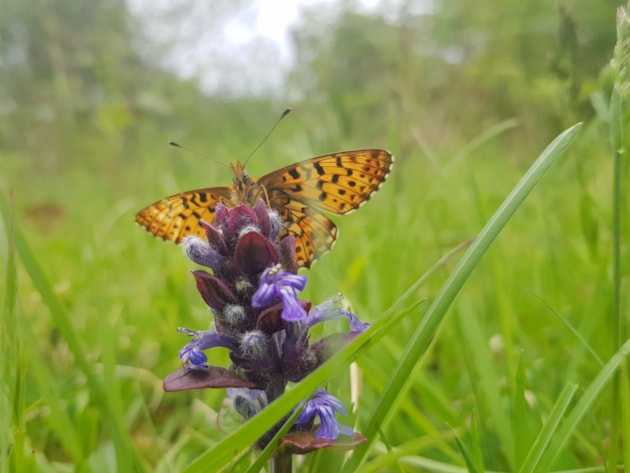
[
  {"x": 512, "y": 380},
  {"x": 508, "y": 355}
]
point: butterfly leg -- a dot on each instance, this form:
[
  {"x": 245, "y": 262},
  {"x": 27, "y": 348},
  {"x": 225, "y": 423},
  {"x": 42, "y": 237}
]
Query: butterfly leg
[{"x": 264, "y": 190}]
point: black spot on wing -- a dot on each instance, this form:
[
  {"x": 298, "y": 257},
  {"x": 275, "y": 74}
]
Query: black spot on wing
[{"x": 318, "y": 168}]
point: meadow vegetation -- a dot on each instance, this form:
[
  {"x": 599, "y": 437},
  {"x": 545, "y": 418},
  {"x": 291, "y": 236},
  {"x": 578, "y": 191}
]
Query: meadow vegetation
[{"x": 526, "y": 369}]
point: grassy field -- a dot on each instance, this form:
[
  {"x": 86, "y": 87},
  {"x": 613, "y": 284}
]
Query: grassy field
[
  {"x": 523, "y": 369},
  {"x": 98, "y": 301}
]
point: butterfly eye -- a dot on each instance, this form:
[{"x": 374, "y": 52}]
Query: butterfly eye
[{"x": 241, "y": 182}]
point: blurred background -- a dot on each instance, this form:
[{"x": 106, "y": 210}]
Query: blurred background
[{"x": 465, "y": 94}]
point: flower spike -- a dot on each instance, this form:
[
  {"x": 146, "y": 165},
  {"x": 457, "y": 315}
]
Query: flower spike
[{"x": 253, "y": 293}]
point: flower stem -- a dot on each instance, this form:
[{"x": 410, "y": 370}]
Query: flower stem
[{"x": 281, "y": 463}]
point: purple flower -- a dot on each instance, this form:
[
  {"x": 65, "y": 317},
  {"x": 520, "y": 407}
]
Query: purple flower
[
  {"x": 325, "y": 405},
  {"x": 251, "y": 287},
  {"x": 192, "y": 355},
  {"x": 254, "y": 345},
  {"x": 275, "y": 282},
  {"x": 201, "y": 253},
  {"x": 193, "y": 358},
  {"x": 332, "y": 309}
]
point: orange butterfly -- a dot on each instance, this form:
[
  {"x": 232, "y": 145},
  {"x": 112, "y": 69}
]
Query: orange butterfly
[{"x": 338, "y": 183}]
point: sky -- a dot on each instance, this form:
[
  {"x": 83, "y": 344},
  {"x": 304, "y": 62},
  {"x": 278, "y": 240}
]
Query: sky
[{"x": 229, "y": 45}]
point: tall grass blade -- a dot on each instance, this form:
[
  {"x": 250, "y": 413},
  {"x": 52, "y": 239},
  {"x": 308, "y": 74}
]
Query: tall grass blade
[
  {"x": 61, "y": 318},
  {"x": 583, "y": 407},
  {"x": 436, "y": 312},
  {"x": 244, "y": 438},
  {"x": 11, "y": 374},
  {"x": 544, "y": 437}
]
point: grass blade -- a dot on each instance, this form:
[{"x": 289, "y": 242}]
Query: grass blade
[
  {"x": 544, "y": 437},
  {"x": 625, "y": 413},
  {"x": 225, "y": 451},
  {"x": 436, "y": 312},
  {"x": 61, "y": 318},
  {"x": 11, "y": 374},
  {"x": 583, "y": 406}
]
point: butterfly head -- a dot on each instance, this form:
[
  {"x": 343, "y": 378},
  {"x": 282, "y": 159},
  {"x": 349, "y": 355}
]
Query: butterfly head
[
  {"x": 240, "y": 177},
  {"x": 245, "y": 189}
]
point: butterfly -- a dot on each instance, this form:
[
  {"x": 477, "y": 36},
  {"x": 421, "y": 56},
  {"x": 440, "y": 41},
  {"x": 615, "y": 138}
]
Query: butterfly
[{"x": 338, "y": 183}]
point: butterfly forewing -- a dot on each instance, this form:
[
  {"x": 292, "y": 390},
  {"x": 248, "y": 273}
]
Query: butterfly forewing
[
  {"x": 178, "y": 216},
  {"x": 338, "y": 183}
]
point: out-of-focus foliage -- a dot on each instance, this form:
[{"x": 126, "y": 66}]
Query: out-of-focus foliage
[
  {"x": 75, "y": 89},
  {"x": 69, "y": 73},
  {"x": 74, "y": 84},
  {"x": 538, "y": 61}
]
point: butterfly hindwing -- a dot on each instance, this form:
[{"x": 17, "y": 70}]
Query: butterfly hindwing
[{"x": 314, "y": 233}]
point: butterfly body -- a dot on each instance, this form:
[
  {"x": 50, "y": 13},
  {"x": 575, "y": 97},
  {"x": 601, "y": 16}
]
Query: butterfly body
[{"x": 338, "y": 183}]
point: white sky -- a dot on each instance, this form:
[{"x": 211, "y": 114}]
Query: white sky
[{"x": 250, "y": 51}]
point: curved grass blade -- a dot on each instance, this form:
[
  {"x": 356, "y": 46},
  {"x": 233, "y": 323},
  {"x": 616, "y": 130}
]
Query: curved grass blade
[
  {"x": 265, "y": 455},
  {"x": 436, "y": 312},
  {"x": 224, "y": 452}
]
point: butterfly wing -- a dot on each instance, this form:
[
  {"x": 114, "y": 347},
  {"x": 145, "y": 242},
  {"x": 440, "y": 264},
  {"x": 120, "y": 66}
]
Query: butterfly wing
[
  {"x": 338, "y": 183},
  {"x": 177, "y": 216},
  {"x": 314, "y": 233}
]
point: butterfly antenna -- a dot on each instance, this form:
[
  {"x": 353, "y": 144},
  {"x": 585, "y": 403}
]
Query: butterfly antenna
[
  {"x": 177, "y": 145},
  {"x": 284, "y": 114}
]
